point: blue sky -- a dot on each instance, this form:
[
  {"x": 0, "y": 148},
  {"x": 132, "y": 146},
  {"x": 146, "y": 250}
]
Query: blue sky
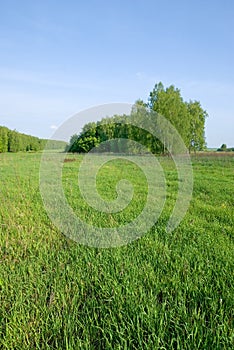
[{"x": 60, "y": 57}]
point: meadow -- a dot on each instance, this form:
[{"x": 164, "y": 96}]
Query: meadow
[{"x": 162, "y": 291}]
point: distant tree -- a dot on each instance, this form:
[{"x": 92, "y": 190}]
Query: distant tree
[
  {"x": 13, "y": 141},
  {"x": 197, "y": 118},
  {"x": 71, "y": 147},
  {"x": 169, "y": 103},
  {"x": 82, "y": 143},
  {"x": 139, "y": 104},
  {"x": 187, "y": 118},
  {"x": 3, "y": 139},
  {"x": 223, "y": 148}
]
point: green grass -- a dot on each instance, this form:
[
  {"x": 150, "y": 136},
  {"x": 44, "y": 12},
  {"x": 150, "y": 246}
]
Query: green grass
[{"x": 163, "y": 291}]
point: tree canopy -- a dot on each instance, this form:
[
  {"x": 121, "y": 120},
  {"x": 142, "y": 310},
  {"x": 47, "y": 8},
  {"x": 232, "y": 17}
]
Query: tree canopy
[
  {"x": 224, "y": 148},
  {"x": 13, "y": 141},
  {"x": 187, "y": 117}
]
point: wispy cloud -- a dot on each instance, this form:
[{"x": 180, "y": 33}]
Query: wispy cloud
[{"x": 141, "y": 75}]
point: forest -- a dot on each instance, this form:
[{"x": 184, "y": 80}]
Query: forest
[
  {"x": 187, "y": 117},
  {"x": 14, "y": 141}
]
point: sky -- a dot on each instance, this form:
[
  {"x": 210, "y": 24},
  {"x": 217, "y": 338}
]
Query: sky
[{"x": 58, "y": 58}]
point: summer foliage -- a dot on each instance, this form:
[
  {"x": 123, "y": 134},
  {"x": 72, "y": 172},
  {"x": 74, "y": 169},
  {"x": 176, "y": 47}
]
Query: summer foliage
[
  {"x": 224, "y": 148},
  {"x": 187, "y": 117},
  {"x": 13, "y": 141}
]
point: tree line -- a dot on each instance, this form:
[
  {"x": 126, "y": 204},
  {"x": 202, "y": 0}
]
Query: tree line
[
  {"x": 14, "y": 141},
  {"x": 187, "y": 117},
  {"x": 224, "y": 148}
]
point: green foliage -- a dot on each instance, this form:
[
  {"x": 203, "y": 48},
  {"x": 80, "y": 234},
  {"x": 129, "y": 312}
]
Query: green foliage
[
  {"x": 197, "y": 118},
  {"x": 187, "y": 117},
  {"x": 13, "y": 141},
  {"x": 224, "y": 148},
  {"x": 3, "y": 139}
]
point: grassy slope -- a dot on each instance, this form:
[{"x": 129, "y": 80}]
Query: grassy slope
[{"x": 163, "y": 291}]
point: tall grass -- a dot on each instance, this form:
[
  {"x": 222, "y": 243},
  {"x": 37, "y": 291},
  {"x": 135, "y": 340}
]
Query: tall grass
[{"x": 163, "y": 291}]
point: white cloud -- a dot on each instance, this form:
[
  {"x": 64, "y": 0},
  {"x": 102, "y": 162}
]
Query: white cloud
[{"x": 53, "y": 127}]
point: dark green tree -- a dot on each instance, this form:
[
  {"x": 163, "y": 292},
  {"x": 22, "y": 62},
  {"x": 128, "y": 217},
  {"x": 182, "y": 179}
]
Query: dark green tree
[
  {"x": 3, "y": 139},
  {"x": 13, "y": 141},
  {"x": 223, "y": 148}
]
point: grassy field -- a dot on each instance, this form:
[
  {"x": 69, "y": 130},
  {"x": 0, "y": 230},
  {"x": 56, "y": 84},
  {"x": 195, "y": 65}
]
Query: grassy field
[{"x": 163, "y": 291}]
